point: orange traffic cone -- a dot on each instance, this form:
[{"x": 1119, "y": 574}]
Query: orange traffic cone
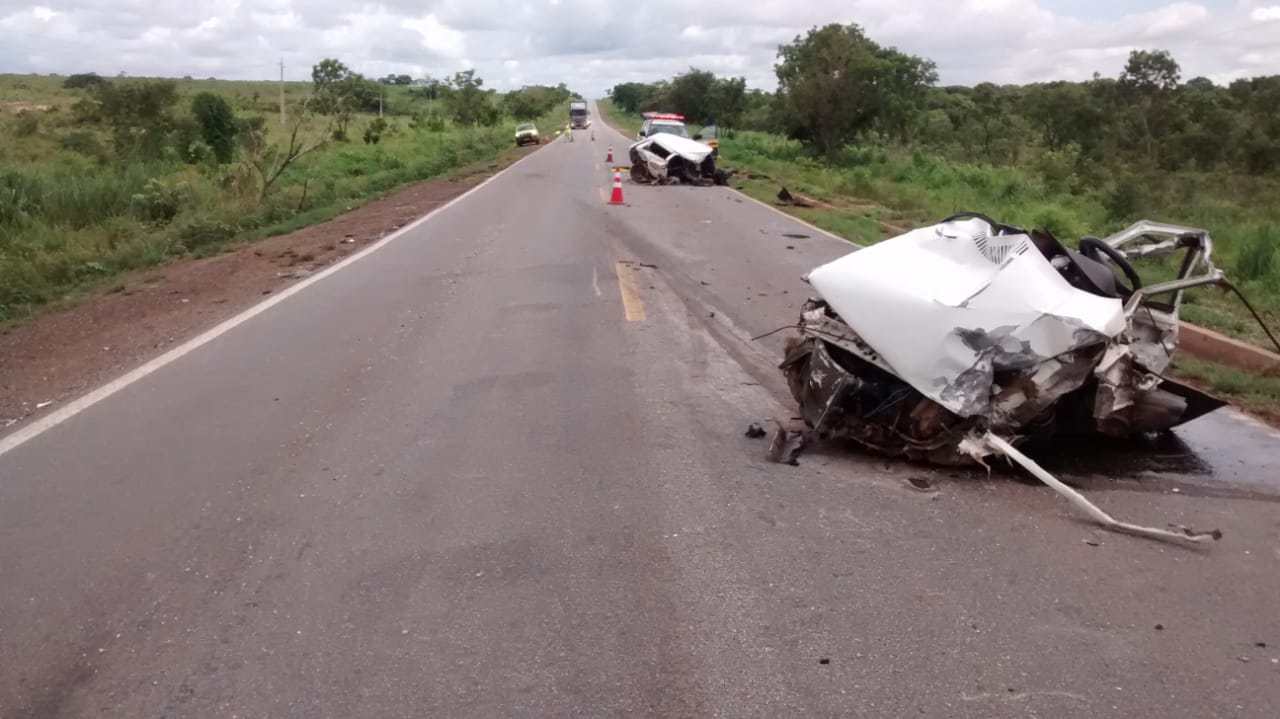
[
  {"x": 610, "y": 157},
  {"x": 616, "y": 197}
]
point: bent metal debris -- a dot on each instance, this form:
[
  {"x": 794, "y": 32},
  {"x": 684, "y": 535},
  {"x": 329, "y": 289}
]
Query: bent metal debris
[{"x": 958, "y": 341}]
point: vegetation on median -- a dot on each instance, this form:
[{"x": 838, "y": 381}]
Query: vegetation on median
[{"x": 98, "y": 177}]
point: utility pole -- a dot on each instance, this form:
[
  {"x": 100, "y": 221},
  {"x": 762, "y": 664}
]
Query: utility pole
[
  {"x": 381, "y": 91},
  {"x": 282, "y": 120}
]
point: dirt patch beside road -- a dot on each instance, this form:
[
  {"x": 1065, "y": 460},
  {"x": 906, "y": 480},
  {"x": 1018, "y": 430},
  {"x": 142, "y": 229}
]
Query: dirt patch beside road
[{"x": 64, "y": 353}]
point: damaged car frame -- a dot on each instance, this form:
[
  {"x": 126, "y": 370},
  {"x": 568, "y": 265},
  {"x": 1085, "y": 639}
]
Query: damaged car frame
[
  {"x": 940, "y": 343},
  {"x": 666, "y": 159}
]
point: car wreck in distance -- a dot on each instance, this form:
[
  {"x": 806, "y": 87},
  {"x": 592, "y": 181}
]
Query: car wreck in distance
[{"x": 954, "y": 342}]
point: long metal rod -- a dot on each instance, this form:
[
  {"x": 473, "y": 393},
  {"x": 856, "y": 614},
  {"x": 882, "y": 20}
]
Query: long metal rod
[{"x": 1088, "y": 507}]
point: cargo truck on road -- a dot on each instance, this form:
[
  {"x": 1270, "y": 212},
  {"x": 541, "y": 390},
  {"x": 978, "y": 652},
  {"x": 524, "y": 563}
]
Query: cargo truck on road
[{"x": 579, "y": 118}]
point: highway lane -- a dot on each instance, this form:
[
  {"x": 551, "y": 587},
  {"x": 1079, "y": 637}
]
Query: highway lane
[{"x": 497, "y": 468}]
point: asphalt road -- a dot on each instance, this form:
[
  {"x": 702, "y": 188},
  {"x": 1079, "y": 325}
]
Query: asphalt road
[{"x": 497, "y": 468}]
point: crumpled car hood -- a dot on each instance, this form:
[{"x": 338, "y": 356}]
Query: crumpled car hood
[
  {"x": 691, "y": 150},
  {"x": 996, "y": 301}
]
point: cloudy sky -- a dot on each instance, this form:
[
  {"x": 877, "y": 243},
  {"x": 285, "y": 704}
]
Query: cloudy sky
[{"x": 593, "y": 44}]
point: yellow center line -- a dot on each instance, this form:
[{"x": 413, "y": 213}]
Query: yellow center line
[{"x": 632, "y": 307}]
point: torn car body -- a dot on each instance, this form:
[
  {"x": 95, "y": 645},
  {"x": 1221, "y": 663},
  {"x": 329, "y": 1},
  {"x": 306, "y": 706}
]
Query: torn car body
[
  {"x": 664, "y": 159},
  {"x": 924, "y": 343}
]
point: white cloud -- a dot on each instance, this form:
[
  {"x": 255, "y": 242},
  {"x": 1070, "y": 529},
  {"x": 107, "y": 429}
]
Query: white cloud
[
  {"x": 438, "y": 37},
  {"x": 1173, "y": 18},
  {"x": 593, "y": 44},
  {"x": 1265, "y": 14}
]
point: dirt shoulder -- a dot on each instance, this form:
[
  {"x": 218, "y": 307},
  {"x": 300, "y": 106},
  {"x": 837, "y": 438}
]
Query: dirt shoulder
[{"x": 63, "y": 353}]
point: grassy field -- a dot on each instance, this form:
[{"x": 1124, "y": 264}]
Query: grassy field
[
  {"x": 73, "y": 215},
  {"x": 876, "y": 193},
  {"x": 259, "y": 97}
]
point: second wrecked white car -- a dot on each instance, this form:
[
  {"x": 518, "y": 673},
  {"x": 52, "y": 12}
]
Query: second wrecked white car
[{"x": 664, "y": 159}]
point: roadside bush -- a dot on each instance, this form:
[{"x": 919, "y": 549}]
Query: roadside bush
[
  {"x": 202, "y": 232},
  {"x": 139, "y": 113},
  {"x": 1057, "y": 220},
  {"x": 1057, "y": 168},
  {"x": 83, "y": 80},
  {"x": 198, "y": 152},
  {"x": 27, "y": 124},
  {"x": 373, "y": 133},
  {"x": 434, "y": 122},
  {"x": 159, "y": 202},
  {"x": 1124, "y": 200},
  {"x": 19, "y": 198},
  {"x": 217, "y": 124},
  {"x": 86, "y": 143}
]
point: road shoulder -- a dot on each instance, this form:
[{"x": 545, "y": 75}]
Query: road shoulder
[{"x": 61, "y": 354}]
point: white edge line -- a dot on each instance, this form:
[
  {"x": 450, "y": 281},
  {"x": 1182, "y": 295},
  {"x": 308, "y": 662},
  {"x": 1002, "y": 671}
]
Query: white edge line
[
  {"x": 765, "y": 205},
  {"x": 38, "y": 427}
]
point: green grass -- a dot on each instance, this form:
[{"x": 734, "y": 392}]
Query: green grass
[
  {"x": 73, "y": 217},
  {"x": 1254, "y": 392}
]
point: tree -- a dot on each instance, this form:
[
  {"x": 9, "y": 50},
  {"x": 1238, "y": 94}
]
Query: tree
[
  {"x": 1064, "y": 113},
  {"x": 339, "y": 92},
  {"x": 428, "y": 88},
  {"x": 266, "y": 161},
  {"x": 217, "y": 124},
  {"x": 467, "y": 103},
  {"x": 834, "y": 84},
  {"x": 1147, "y": 85},
  {"x": 1150, "y": 71},
  {"x": 728, "y": 101},
  {"x": 327, "y": 72},
  {"x": 83, "y": 80},
  {"x": 632, "y": 96},
  {"x": 903, "y": 84},
  {"x": 139, "y": 113},
  {"x": 533, "y": 101},
  {"x": 690, "y": 95}
]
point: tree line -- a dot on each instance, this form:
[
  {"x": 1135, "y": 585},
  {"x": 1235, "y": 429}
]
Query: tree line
[
  {"x": 837, "y": 86},
  {"x": 144, "y": 118}
]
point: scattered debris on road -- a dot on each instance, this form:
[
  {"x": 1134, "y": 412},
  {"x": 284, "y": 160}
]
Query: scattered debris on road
[
  {"x": 755, "y": 431},
  {"x": 786, "y": 445},
  {"x": 920, "y": 484},
  {"x": 1011, "y": 334},
  {"x": 795, "y": 236},
  {"x": 666, "y": 159},
  {"x": 42, "y": 405},
  {"x": 795, "y": 199}
]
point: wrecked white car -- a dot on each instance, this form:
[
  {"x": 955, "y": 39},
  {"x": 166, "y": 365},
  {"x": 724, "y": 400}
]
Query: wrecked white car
[
  {"x": 665, "y": 159},
  {"x": 959, "y": 340}
]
